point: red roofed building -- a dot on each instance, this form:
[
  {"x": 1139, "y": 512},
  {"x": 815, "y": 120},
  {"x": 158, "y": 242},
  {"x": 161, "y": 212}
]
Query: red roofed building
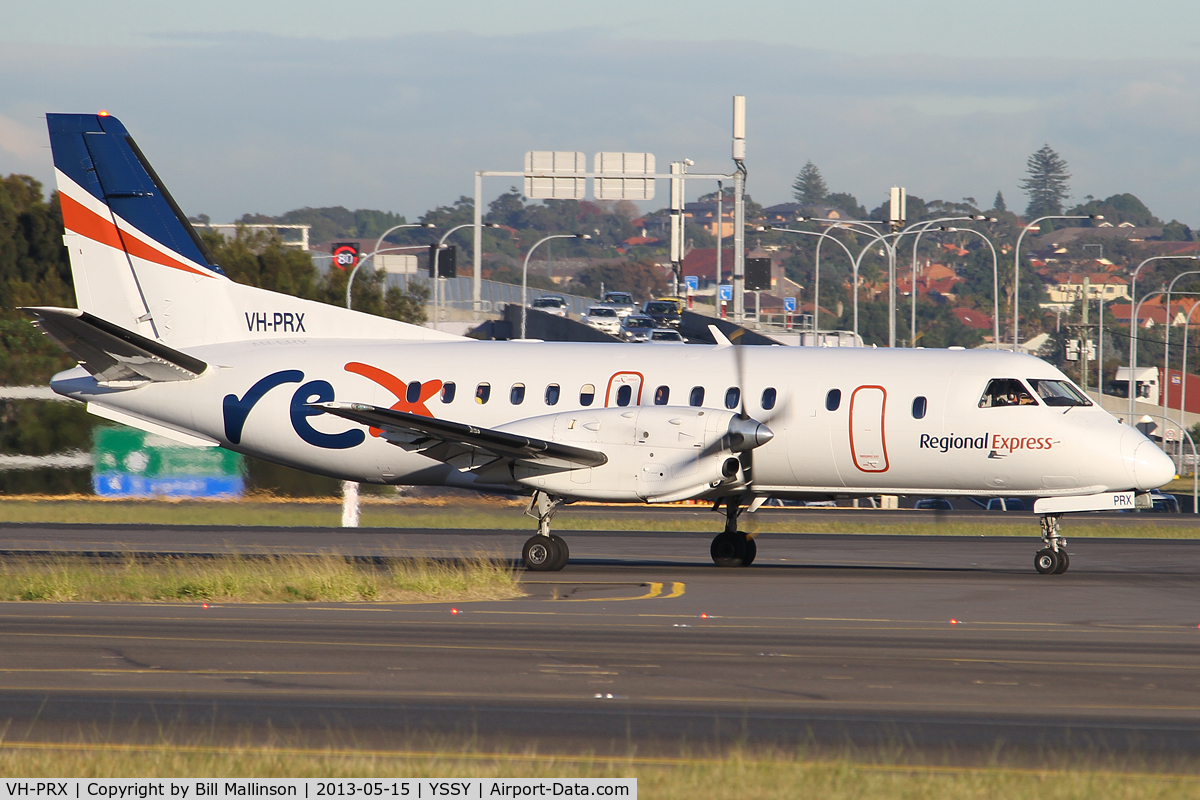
[{"x": 975, "y": 320}]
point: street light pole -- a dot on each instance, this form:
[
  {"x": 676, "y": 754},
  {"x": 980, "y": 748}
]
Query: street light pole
[
  {"x": 1133, "y": 323},
  {"x": 1167, "y": 339},
  {"x": 437, "y": 251},
  {"x": 995, "y": 283},
  {"x": 821, "y": 236},
  {"x": 525, "y": 270},
  {"x": 1017, "y": 266},
  {"x": 378, "y": 245}
]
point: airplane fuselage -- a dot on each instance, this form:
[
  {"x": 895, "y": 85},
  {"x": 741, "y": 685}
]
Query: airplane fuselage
[{"x": 845, "y": 421}]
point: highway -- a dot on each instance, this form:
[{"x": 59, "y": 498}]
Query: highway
[{"x": 640, "y": 644}]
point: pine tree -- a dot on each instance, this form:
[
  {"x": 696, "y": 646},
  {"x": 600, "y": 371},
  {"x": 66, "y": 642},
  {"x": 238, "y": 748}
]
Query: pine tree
[
  {"x": 1046, "y": 183},
  {"x": 998, "y": 203},
  {"x": 809, "y": 187}
]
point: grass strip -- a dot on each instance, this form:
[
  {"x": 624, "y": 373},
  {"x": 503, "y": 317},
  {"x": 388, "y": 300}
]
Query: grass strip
[
  {"x": 270, "y": 579},
  {"x": 482, "y": 516},
  {"x": 736, "y": 775}
]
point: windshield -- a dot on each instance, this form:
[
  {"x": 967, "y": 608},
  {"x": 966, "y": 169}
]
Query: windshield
[
  {"x": 601, "y": 312},
  {"x": 619, "y": 297},
  {"x": 639, "y": 322},
  {"x": 1059, "y": 393},
  {"x": 660, "y": 308},
  {"x": 547, "y": 302}
]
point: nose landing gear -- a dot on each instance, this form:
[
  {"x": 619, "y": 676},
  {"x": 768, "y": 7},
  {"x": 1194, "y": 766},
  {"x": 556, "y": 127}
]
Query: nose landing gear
[
  {"x": 1053, "y": 558},
  {"x": 731, "y": 547}
]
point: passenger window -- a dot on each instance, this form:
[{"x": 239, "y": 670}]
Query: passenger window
[
  {"x": 448, "y": 392},
  {"x": 662, "y": 395},
  {"x": 624, "y": 394},
  {"x": 919, "y": 406},
  {"x": 732, "y": 396},
  {"x": 587, "y": 394},
  {"x": 482, "y": 392},
  {"x": 413, "y": 393},
  {"x": 833, "y": 399},
  {"x": 552, "y": 394},
  {"x": 768, "y": 398},
  {"x": 1006, "y": 392},
  {"x": 516, "y": 395},
  {"x": 697, "y": 396}
]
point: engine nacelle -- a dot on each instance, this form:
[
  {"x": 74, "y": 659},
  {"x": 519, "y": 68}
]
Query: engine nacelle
[{"x": 655, "y": 453}]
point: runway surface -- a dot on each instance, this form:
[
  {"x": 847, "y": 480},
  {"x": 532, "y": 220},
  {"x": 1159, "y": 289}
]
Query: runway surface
[{"x": 640, "y": 643}]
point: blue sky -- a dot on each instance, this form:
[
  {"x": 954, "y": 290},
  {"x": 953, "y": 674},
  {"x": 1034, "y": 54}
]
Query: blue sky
[{"x": 268, "y": 106}]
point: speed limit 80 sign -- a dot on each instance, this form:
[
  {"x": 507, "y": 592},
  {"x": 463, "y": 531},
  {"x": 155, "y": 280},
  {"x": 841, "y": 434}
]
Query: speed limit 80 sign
[{"x": 345, "y": 255}]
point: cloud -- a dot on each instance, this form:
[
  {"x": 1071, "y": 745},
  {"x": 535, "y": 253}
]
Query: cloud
[{"x": 250, "y": 122}]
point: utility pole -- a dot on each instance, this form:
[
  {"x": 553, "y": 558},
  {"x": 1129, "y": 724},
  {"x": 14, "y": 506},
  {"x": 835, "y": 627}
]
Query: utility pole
[
  {"x": 898, "y": 215},
  {"x": 739, "y": 208}
]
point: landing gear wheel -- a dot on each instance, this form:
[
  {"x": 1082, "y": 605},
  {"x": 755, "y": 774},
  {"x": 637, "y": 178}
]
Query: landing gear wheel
[
  {"x": 1047, "y": 561},
  {"x": 729, "y": 549},
  {"x": 543, "y": 554},
  {"x": 751, "y": 552},
  {"x": 564, "y": 552},
  {"x": 1064, "y": 561}
]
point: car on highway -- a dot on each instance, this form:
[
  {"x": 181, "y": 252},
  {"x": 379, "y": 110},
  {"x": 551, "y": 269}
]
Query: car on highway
[
  {"x": 621, "y": 301},
  {"x": 665, "y": 313},
  {"x": 551, "y": 304},
  {"x": 603, "y": 318},
  {"x": 637, "y": 328},
  {"x": 666, "y": 336},
  {"x": 934, "y": 504}
]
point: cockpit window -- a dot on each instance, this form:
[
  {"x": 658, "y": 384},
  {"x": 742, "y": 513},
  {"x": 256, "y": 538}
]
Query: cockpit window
[
  {"x": 1006, "y": 392},
  {"x": 1059, "y": 393}
]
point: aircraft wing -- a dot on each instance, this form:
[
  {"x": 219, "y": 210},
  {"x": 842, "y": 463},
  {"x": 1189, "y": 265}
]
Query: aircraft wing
[
  {"x": 110, "y": 352},
  {"x": 463, "y": 447}
]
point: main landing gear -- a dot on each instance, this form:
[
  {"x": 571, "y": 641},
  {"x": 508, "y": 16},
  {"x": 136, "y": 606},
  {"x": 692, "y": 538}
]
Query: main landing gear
[
  {"x": 1052, "y": 559},
  {"x": 544, "y": 552},
  {"x": 731, "y": 547}
]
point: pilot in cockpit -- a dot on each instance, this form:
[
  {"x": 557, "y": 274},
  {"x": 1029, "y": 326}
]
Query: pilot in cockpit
[{"x": 1006, "y": 392}]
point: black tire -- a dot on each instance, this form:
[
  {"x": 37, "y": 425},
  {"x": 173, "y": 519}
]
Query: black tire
[
  {"x": 1064, "y": 561},
  {"x": 564, "y": 552},
  {"x": 1046, "y": 561},
  {"x": 728, "y": 549},
  {"x": 751, "y": 552},
  {"x": 541, "y": 554}
]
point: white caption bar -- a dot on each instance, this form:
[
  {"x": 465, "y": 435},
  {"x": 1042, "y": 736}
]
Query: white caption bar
[{"x": 418, "y": 788}]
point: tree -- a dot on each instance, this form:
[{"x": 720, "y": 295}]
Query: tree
[
  {"x": 1046, "y": 184},
  {"x": 809, "y": 187},
  {"x": 998, "y": 203}
]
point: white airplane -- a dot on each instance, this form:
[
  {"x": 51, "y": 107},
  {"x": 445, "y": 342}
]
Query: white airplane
[{"x": 167, "y": 343}]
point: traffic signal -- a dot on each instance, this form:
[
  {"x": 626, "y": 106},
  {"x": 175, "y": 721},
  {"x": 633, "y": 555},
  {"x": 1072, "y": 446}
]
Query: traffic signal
[
  {"x": 447, "y": 261},
  {"x": 758, "y": 274},
  {"x": 345, "y": 255}
]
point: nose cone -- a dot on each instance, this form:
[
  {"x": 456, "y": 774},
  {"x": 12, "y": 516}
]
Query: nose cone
[
  {"x": 747, "y": 434},
  {"x": 1151, "y": 466}
]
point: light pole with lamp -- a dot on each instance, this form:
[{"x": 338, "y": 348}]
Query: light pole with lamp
[
  {"x": 1167, "y": 340},
  {"x": 927, "y": 225},
  {"x": 1099, "y": 327},
  {"x": 437, "y": 251},
  {"x": 1017, "y": 266},
  {"x": 377, "y": 250},
  {"x": 817, "y": 278},
  {"x": 525, "y": 270},
  {"x": 1135, "y": 307},
  {"x": 1183, "y": 391},
  {"x": 995, "y": 282}
]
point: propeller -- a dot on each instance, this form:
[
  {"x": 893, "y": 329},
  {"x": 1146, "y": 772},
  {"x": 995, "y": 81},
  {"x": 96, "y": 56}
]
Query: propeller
[{"x": 745, "y": 432}]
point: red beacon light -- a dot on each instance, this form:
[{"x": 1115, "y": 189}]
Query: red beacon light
[{"x": 103, "y": 113}]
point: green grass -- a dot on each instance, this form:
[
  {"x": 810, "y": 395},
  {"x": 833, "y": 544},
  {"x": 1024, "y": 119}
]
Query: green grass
[
  {"x": 509, "y": 516},
  {"x": 236, "y": 579},
  {"x": 735, "y": 776}
]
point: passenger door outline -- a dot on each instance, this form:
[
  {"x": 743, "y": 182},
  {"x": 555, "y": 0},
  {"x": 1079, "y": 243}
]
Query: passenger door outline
[{"x": 869, "y": 448}]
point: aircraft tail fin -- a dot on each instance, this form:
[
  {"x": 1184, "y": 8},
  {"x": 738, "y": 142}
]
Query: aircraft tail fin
[
  {"x": 111, "y": 353},
  {"x": 139, "y": 264}
]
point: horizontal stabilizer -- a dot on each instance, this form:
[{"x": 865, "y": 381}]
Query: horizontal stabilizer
[
  {"x": 111, "y": 353},
  {"x": 463, "y": 446}
]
